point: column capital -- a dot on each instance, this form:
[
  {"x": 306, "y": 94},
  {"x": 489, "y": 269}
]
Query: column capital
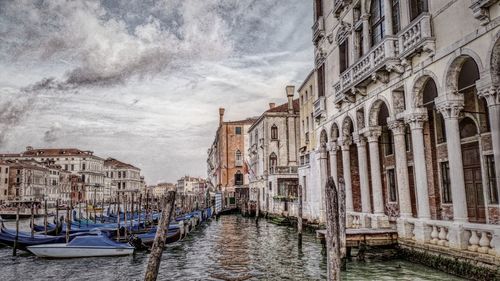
[
  {"x": 416, "y": 118},
  {"x": 360, "y": 140},
  {"x": 396, "y": 126},
  {"x": 345, "y": 143},
  {"x": 373, "y": 133},
  {"x": 490, "y": 93},
  {"x": 334, "y": 146},
  {"x": 450, "y": 105}
]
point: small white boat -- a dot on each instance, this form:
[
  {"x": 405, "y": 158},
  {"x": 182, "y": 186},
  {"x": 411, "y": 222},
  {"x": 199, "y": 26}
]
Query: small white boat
[{"x": 83, "y": 246}]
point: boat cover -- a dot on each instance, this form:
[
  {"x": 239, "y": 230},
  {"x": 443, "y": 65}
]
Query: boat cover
[{"x": 96, "y": 241}]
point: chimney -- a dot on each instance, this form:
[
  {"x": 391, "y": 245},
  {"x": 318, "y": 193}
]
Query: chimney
[
  {"x": 272, "y": 105},
  {"x": 29, "y": 148},
  {"x": 221, "y": 115},
  {"x": 290, "y": 90}
]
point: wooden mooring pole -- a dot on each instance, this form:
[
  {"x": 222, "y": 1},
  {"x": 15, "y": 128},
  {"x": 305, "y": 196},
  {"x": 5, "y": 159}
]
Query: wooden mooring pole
[
  {"x": 332, "y": 231},
  {"x": 68, "y": 223},
  {"x": 299, "y": 215},
  {"x": 32, "y": 221},
  {"x": 160, "y": 238},
  {"x": 45, "y": 218},
  {"x": 118, "y": 217},
  {"x": 342, "y": 222},
  {"x": 57, "y": 216},
  {"x": 16, "y": 239},
  {"x": 257, "y": 207}
]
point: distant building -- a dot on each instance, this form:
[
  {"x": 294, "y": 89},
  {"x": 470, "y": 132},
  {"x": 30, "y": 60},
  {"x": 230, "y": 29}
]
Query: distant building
[
  {"x": 4, "y": 181},
  {"x": 225, "y": 162},
  {"x": 125, "y": 176},
  {"x": 188, "y": 184},
  {"x": 84, "y": 163},
  {"x": 28, "y": 180},
  {"x": 272, "y": 154},
  {"x": 161, "y": 189}
]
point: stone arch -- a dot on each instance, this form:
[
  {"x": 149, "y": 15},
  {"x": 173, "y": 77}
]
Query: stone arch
[
  {"x": 334, "y": 132},
  {"x": 417, "y": 91},
  {"x": 347, "y": 127},
  {"x": 375, "y": 110},
  {"x": 323, "y": 137},
  {"x": 455, "y": 66},
  {"x": 494, "y": 60}
]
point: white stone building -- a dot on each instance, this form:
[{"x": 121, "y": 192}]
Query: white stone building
[
  {"x": 124, "y": 176},
  {"x": 408, "y": 114},
  {"x": 272, "y": 157},
  {"x": 4, "y": 181}
]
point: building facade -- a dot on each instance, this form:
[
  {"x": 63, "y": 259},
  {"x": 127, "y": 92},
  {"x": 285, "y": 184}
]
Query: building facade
[
  {"x": 4, "y": 181},
  {"x": 225, "y": 162},
  {"x": 408, "y": 114},
  {"x": 272, "y": 157},
  {"x": 124, "y": 176}
]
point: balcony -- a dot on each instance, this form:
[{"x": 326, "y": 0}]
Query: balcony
[
  {"x": 480, "y": 10},
  {"x": 374, "y": 66},
  {"x": 318, "y": 30},
  {"x": 319, "y": 108},
  {"x": 283, "y": 170},
  {"x": 417, "y": 37}
]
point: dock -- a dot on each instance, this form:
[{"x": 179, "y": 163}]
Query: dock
[{"x": 367, "y": 236}]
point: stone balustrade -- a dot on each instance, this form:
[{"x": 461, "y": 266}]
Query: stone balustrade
[
  {"x": 318, "y": 29},
  {"x": 479, "y": 238},
  {"x": 381, "y": 55},
  {"x": 319, "y": 107},
  {"x": 483, "y": 239},
  {"x": 417, "y": 36}
]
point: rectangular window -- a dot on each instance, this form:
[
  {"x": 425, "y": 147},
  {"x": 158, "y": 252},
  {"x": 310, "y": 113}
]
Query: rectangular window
[
  {"x": 344, "y": 55},
  {"x": 417, "y": 7},
  {"x": 270, "y": 186},
  {"x": 395, "y": 16},
  {"x": 6, "y": 170},
  {"x": 391, "y": 182},
  {"x": 124, "y": 174},
  {"x": 440, "y": 127},
  {"x": 387, "y": 142},
  {"x": 6, "y": 180},
  {"x": 318, "y": 8},
  {"x": 321, "y": 81},
  {"x": 66, "y": 167},
  {"x": 83, "y": 167},
  {"x": 111, "y": 174},
  {"x": 492, "y": 183},
  {"x": 238, "y": 130},
  {"x": 445, "y": 182}
]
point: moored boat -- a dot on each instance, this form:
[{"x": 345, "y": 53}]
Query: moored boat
[{"x": 83, "y": 246}]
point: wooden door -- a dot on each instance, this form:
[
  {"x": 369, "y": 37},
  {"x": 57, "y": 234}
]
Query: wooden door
[{"x": 471, "y": 159}]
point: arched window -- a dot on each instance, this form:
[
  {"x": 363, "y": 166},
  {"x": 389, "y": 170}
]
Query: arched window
[
  {"x": 273, "y": 161},
  {"x": 274, "y": 132},
  {"x": 377, "y": 21},
  {"x": 238, "y": 158},
  {"x": 467, "y": 128},
  {"x": 238, "y": 178},
  {"x": 417, "y": 7}
]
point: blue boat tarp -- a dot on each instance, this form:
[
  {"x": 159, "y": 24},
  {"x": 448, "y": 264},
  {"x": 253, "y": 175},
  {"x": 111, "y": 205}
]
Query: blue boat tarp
[{"x": 96, "y": 241}]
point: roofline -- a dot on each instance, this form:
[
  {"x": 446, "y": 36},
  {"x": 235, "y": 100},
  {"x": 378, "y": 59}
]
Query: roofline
[{"x": 307, "y": 79}]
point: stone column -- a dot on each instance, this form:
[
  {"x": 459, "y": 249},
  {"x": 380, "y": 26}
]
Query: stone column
[
  {"x": 450, "y": 106},
  {"x": 492, "y": 96},
  {"x": 388, "y": 17},
  {"x": 363, "y": 175},
  {"x": 367, "y": 41},
  {"x": 398, "y": 130},
  {"x": 404, "y": 13},
  {"x": 333, "y": 161},
  {"x": 323, "y": 169},
  {"x": 380, "y": 219},
  {"x": 416, "y": 120},
  {"x": 346, "y": 163}
]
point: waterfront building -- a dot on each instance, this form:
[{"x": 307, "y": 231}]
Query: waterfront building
[
  {"x": 161, "y": 189},
  {"x": 225, "y": 162},
  {"x": 407, "y": 111},
  {"x": 85, "y": 164},
  {"x": 4, "y": 181},
  {"x": 125, "y": 176},
  {"x": 272, "y": 156},
  {"x": 28, "y": 180}
]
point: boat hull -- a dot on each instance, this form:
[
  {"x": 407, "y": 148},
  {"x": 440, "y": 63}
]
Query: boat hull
[{"x": 63, "y": 251}]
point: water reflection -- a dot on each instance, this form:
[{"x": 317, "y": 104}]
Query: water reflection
[{"x": 233, "y": 248}]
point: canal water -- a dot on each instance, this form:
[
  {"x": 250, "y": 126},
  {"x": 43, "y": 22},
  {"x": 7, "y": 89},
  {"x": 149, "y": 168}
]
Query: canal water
[{"x": 232, "y": 248}]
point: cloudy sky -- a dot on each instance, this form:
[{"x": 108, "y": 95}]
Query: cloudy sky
[{"x": 142, "y": 80}]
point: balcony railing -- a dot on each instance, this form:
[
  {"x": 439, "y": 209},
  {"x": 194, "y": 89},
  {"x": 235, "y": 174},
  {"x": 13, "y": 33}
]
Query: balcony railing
[
  {"x": 381, "y": 56},
  {"x": 283, "y": 170},
  {"x": 417, "y": 37},
  {"x": 338, "y": 6},
  {"x": 318, "y": 29},
  {"x": 319, "y": 107}
]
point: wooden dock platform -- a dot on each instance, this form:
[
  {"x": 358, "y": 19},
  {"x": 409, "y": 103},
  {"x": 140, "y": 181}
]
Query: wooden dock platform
[{"x": 368, "y": 236}]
